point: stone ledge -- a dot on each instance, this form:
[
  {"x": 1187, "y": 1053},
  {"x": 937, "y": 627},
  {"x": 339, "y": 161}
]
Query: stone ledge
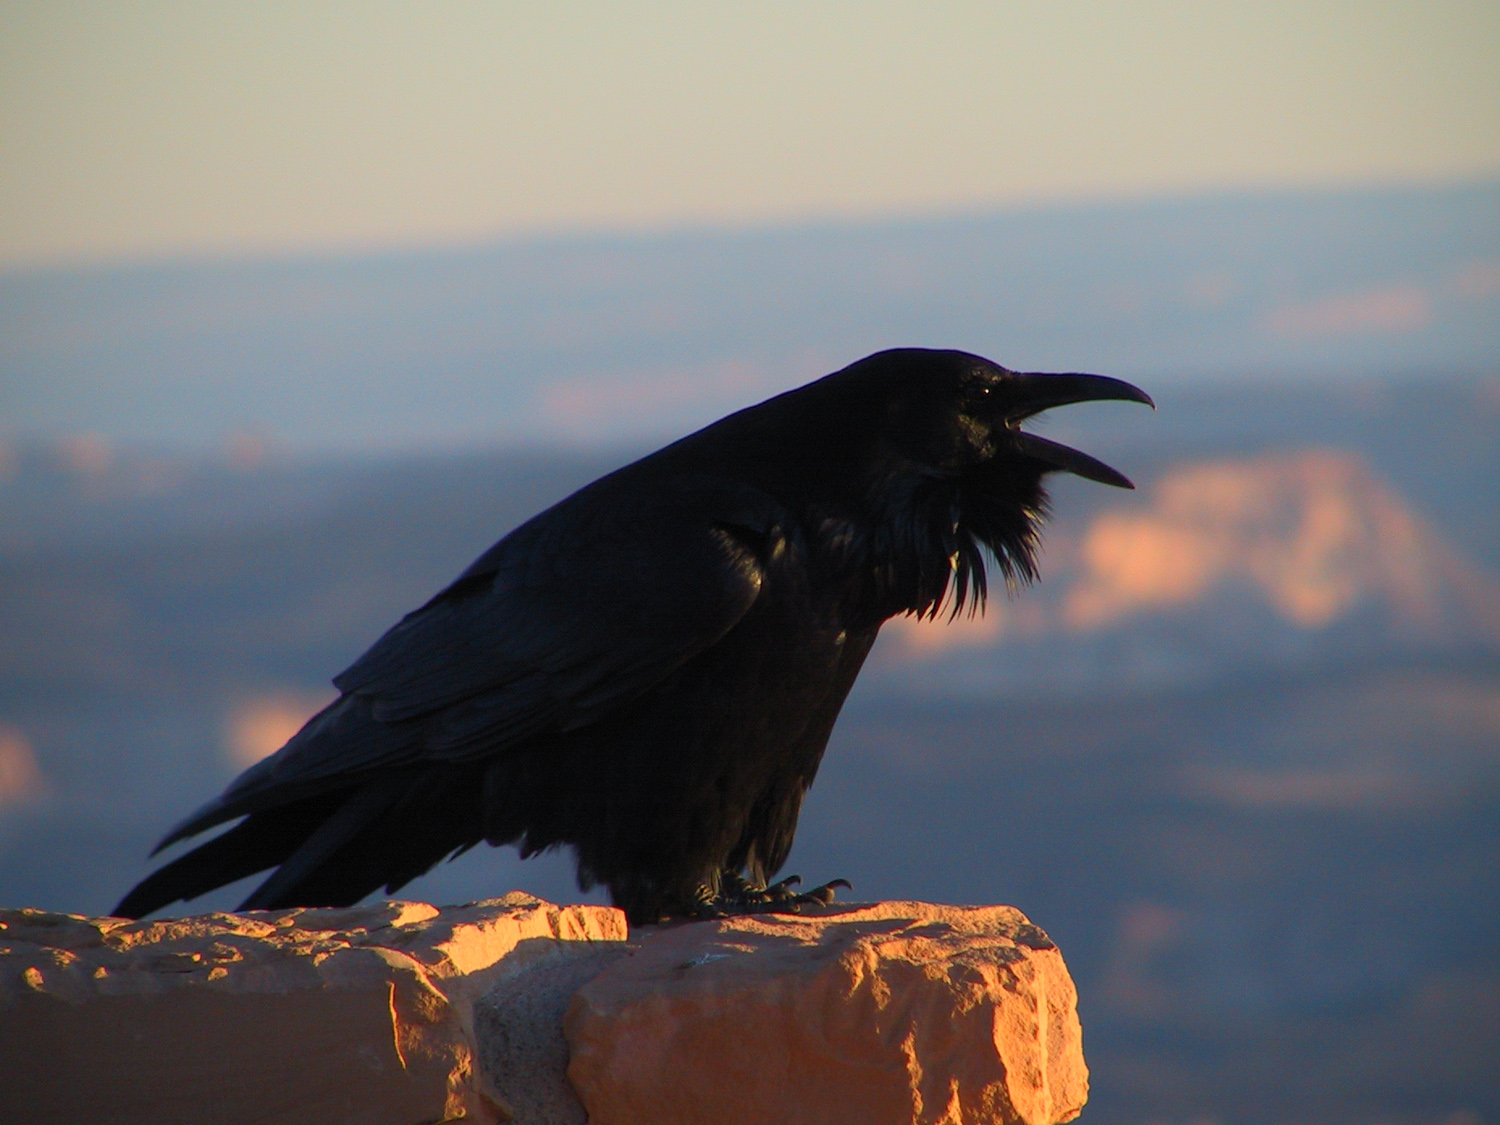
[
  {"x": 363, "y": 1014},
  {"x": 895, "y": 1012},
  {"x": 515, "y": 1009}
]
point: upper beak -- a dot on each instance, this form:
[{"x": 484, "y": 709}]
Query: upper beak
[{"x": 1031, "y": 392}]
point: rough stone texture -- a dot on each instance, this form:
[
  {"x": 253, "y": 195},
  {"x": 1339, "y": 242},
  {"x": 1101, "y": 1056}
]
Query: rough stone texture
[
  {"x": 359, "y": 1015},
  {"x": 399, "y": 1013},
  {"x": 897, "y": 1012},
  {"x": 519, "y": 1024}
]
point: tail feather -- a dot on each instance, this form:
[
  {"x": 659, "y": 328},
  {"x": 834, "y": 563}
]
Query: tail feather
[
  {"x": 261, "y": 840},
  {"x": 336, "y": 747},
  {"x": 362, "y": 807},
  {"x": 435, "y": 817},
  {"x": 331, "y": 849}
]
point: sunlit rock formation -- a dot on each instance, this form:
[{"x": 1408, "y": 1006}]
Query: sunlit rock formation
[
  {"x": 518, "y": 1010},
  {"x": 1314, "y": 535},
  {"x": 1218, "y": 565}
]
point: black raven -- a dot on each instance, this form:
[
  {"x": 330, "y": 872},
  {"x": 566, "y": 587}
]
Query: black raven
[{"x": 649, "y": 670}]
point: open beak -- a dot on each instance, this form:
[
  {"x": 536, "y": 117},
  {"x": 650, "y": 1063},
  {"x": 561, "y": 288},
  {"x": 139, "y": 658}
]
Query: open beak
[{"x": 1031, "y": 392}]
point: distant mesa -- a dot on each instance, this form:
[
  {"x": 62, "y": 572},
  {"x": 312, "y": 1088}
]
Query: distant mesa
[
  {"x": 1312, "y": 538},
  {"x": 1314, "y": 533}
]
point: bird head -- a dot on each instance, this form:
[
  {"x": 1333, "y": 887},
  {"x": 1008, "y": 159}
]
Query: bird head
[
  {"x": 915, "y": 463},
  {"x": 962, "y": 474},
  {"x": 953, "y": 411}
]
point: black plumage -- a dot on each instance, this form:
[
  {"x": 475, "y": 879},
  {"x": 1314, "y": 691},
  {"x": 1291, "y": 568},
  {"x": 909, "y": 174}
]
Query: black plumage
[{"x": 649, "y": 671}]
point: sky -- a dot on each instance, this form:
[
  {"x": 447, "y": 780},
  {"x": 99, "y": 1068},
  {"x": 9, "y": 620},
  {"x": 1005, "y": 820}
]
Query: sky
[{"x": 148, "y": 130}]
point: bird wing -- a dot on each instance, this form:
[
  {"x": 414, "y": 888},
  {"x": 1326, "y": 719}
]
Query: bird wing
[{"x": 576, "y": 612}]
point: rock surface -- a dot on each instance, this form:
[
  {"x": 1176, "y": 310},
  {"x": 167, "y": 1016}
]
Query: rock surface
[
  {"x": 516, "y": 1009},
  {"x": 897, "y": 1012},
  {"x": 363, "y": 1014}
]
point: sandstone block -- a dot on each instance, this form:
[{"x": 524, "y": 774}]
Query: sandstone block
[
  {"x": 898, "y": 1012},
  {"x": 358, "y": 1015},
  {"x": 518, "y": 1010}
]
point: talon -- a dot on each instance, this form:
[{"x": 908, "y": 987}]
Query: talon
[
  {"x": 783, "y": 889},
  {"x": 739, "y": 896},
  {"x": 825, "y": 894}
]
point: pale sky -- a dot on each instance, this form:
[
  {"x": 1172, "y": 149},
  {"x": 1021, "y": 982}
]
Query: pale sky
[{"x": 134, "y": 130}]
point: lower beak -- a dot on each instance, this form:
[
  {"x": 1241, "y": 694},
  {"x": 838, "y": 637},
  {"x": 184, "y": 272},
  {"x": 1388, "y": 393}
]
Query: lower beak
[{"x": 1065, "y": 459}]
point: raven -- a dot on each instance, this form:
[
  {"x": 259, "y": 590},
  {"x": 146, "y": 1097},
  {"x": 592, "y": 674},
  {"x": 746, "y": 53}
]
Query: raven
[{"x": 649, "y": 670}]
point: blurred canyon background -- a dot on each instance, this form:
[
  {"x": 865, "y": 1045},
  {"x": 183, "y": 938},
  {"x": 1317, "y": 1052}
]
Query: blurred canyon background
[{"x": 1238, "y": 752}]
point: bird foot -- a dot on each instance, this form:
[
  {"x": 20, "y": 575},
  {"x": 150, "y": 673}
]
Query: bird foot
[{"x": 738, "y": 895}]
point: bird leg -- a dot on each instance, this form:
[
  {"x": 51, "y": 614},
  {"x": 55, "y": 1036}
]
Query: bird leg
[{"x": 738, "y": 895}]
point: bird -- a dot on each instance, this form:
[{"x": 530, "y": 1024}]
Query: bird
[{"x": 648, "y": 671}]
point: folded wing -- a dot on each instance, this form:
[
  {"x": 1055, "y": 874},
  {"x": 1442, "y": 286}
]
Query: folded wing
[{"x": 570, "y": 616}]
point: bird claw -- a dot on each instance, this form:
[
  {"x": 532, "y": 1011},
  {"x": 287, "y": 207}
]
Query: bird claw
[
  {"x": 825, "y": 894},
  {"x": 738, "y": 896}
]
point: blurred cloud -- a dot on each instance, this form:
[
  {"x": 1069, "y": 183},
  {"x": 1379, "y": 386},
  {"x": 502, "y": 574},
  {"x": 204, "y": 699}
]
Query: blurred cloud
[
  {"x": 590, "y": 407},
  {"x": 21, "y": 780},
  {"x": 88, "y": 455},
  {"x": 169, "y": 128},
  {"x": 1148, "y": 939},
  {"x": 1212, "y": 289},
  {"x": 246, "y": 450},
  {"x": 1355, "y": 790},
  {"x": 258, "y": 727},
  {"x": 919, "y": 637},
  {"x": 1400, "y": 308},
  {"x": 1480, "y": 279}
]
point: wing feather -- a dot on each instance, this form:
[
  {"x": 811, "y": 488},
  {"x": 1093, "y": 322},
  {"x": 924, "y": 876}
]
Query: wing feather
[{"x": 583, "y": 608}]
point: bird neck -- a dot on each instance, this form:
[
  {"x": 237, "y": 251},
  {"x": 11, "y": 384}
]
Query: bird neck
[
  {"x": 896, "y": 550},
  {"x": 921, "y": 538}
]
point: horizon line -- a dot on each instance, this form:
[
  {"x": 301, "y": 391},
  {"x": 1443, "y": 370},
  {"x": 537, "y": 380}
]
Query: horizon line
[{"x": 560, "y": 236}]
